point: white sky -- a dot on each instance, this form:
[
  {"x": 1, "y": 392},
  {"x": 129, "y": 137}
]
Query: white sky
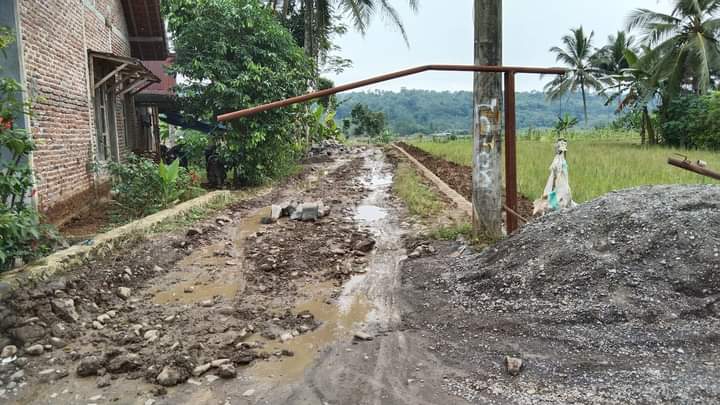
[{"x": 442, "y": 32}]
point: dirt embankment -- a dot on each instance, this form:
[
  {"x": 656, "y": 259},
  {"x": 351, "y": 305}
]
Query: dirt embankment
[
  {"x": 458, "y": 177},
  {"x": 195, "y": 303},
  {"x": 617, "y": 301}
]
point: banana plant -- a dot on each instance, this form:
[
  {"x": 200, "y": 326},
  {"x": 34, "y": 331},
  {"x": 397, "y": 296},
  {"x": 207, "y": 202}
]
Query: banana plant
[{"x": 168, "y": 177}]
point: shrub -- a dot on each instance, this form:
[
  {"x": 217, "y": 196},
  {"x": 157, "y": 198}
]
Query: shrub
[
  {"x": 692, "y": 121},
  {"x": 385, "y": 137},
  {"x": 193, "y": 144},
  {"x": 141, "y": 187},
  {"x": 22, "y": 236}
]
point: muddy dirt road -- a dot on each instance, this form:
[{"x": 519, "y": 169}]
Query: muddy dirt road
[
  {"x": 234, "y": 310},
  {"x": 614, "y": 302}
]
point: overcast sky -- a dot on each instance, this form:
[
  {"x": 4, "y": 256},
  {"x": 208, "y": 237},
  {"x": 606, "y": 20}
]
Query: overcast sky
[{"x": 442, "y": 32}]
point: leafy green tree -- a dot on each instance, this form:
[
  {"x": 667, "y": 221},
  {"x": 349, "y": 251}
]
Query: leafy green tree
[
  {"x": 235, "y": 54},
  {"x": 685, "y": 43},
  {"x": 367, "y": 122},
  {"x": 634, "y": 89},
  {"x": 576, "y": 53},
  {"x": 692, "y": 121},
  {"x": 321, "y": 19},
  {"x": 610, "y": 59}
]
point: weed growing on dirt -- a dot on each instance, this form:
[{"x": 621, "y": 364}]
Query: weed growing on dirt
[
  {"x": 598, "y": 164},
  {"x": 451, "y": 232},
  {"x": 195, "y": 214},
  {"x": 417, "y": 196}
]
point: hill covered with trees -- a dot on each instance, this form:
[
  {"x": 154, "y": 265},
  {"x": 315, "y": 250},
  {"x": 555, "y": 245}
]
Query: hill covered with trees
[{"x": 427, "y": 111}]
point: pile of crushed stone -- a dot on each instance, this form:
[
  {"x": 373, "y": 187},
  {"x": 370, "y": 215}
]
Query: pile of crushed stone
[
  {"x": 647, "y": 254},
  {"x": 615, "y": 301},
  {"x": 323, "y": 151}
]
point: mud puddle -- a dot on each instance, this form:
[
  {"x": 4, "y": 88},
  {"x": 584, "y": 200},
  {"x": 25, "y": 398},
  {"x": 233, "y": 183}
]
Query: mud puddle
[
  {"x": 363, "y": 302},
  {"x": 212, "y": 271},
  {"x": 337, "y": 323}
]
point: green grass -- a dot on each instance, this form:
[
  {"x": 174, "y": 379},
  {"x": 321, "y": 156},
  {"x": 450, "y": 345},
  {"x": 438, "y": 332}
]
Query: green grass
[
  {"x": 195, "y": 214},
  {"x": 599, "y": 162},
  {"x": 451, "y": 232},
  {"x": 418, "y": 197}
]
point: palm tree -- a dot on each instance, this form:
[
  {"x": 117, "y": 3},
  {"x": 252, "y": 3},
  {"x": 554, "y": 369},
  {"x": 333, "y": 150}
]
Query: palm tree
[
  {"x": 576, "y": 53},
  {"x": 685, "y": 42},
  {"x": 635, "y": 88},
  {"x": 319, "y": 16},
  {"x": 610, "y": 59}
]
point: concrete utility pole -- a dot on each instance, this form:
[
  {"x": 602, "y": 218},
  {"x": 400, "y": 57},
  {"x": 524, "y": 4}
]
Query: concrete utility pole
[{"x": 487, "y": 90}]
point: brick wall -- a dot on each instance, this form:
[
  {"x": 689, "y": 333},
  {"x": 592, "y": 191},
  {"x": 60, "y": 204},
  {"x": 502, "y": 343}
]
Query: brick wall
[{"x": 56, "y": 36}]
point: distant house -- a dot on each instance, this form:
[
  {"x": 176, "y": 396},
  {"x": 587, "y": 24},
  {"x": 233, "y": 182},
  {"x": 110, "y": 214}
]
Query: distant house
[{"x": 81, "y": 62}]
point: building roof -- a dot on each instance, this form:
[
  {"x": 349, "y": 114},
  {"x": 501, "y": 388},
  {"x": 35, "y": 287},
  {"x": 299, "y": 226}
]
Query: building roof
[
  {"x": 129, "y": 75},
  {"x": 167, "y": 81},
  {"x": 146, "y": 29}
]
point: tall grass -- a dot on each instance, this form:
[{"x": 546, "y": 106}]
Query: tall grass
[
  {"x": 599, "y": 162},
  {"x": 419, "y": 198}
]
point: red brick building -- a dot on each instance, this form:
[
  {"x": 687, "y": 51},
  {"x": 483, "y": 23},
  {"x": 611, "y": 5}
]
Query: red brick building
[{"x": 80, "y": 62}]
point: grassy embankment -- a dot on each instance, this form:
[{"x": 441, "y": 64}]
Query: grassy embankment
[
  {"x": 423, "y": 201},
  {"x": 599, "y": 161}
]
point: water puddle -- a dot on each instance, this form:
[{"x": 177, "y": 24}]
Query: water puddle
[
  {"x": 362, "y": 300},
  {"x": 201, "y": 290},
  {"x": 337, "y": 323},
  {"x": 370, "y": 213},
  {"x": 209, "y": 272}
]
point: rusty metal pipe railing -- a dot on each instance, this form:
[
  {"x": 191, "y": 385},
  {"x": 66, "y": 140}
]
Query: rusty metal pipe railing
[
  {"x": 383, "y": 78},
  {"x": 509, "y": 72},
  {"x": 693, "y": 167}
]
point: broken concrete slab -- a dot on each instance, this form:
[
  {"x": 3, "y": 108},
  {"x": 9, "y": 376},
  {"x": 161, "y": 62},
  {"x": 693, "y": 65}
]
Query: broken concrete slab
[{"x": 308, "y": 211}]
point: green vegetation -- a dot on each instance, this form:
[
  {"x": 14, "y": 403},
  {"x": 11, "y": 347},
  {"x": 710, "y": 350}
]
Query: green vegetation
[
  {"x": 193, "y": 144},
  {"x": 247, "y": 58},
  {"x": 365, "y": 122},
  {"x": 664, "y": 79},
  {"x": 692, "y": 121},
  {"x": 418, "y": 197},
  {"x": 141, "y": 187},
  {"x": 22, "y": 236},
  {"x": 409, "y": 112},
  {"x": 315, "y": 23},
  {"x": 599, "y": 162},
  {"x": 196, "y": 214},
  {"x": 577, "y": 54},
  {"x": 323, "y": 125},
  {"x": 452, "y": 232}
]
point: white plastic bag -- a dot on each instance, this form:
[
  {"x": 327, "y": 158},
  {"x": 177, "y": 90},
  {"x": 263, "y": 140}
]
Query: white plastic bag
[{"x": 557, "y": 194}]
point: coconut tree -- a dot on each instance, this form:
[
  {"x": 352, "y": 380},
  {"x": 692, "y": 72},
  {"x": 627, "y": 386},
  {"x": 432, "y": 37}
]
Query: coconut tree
[
  {"x": 610, "y": 59},
  {"x": 685, "y": 43},
  {"x": 635, "y": 87},
  {"x": 320, "y": 15},
  {"x": 576, "y": 53}
]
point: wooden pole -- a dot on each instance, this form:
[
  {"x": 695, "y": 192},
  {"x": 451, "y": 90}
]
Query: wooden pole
[{"x": 487, "y": 99}]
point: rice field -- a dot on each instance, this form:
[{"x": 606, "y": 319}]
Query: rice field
[{"x": 598, "y": 162}]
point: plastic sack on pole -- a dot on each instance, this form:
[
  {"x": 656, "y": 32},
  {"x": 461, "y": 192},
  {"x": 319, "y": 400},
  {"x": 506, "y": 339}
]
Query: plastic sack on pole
[{"x": 557, "y": 194}]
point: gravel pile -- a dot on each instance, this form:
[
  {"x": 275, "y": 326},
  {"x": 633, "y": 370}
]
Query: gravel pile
[
  {"x": 616, "y": 301},
  {"x": 328, "y": 148},
  {"x": 649, "y": 254}
]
